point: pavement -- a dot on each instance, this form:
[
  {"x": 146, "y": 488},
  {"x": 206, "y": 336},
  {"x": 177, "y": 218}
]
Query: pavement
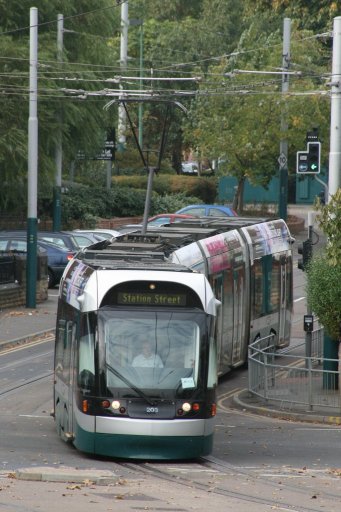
[{"x": 23, "y": 325}]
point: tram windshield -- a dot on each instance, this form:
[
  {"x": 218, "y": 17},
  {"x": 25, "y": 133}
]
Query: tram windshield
[{"x": 152, "y": 353}]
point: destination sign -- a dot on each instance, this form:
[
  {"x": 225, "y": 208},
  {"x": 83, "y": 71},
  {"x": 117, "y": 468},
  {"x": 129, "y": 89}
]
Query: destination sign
[{"x": 151, "y": 299}]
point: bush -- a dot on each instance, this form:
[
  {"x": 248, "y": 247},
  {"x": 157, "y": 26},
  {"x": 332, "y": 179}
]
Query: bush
[
  {"x": 170, "y": 203},
  {"x": 205, "y": 189},
  {"x": 323, "y": 292},
  {"x": 85, "y": 204}
]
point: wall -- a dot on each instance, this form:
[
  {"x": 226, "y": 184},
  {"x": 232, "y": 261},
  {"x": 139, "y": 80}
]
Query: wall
[
  {"x": 14, "y": 294},
  {"x": 301, "y": 190}
]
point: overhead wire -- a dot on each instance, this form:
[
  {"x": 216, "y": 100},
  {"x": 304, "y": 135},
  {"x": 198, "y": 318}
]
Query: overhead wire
[{"x": 72, "y": 16}]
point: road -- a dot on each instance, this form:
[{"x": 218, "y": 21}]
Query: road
[
  {"x": 254, "y": 457},
  {"x": 258, "y": 462}
]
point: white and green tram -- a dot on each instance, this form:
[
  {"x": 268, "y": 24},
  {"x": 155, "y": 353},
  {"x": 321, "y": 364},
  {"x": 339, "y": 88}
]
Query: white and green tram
[{"x": 197, "y": 293}]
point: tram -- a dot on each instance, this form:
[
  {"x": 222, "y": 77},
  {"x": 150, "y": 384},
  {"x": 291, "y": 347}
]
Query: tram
[{"x": 147, "y": 322}]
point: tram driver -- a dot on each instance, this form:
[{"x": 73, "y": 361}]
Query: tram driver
[{"x": 147, "y": 358}]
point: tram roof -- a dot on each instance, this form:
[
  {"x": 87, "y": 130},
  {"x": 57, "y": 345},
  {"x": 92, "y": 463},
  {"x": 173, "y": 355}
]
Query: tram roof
[{"x": 137, "y": 250}]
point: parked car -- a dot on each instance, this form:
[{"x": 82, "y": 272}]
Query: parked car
[
  {"x": 208, "y": 210},
  {"x": 167, "y": 218},
  {"x": 66, "y": 239},
  {"x": 189, "y": 168},
  {"x": 60, "y": 238},
  {"x": 86, "y": 239},
  {"x": 57, "y": 257},
  {"x": 154, "y": 222},
  {"x": 98, "y": 232}
]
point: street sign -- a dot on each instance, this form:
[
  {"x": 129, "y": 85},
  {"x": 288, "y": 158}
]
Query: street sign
[
  {"x": 302, "y": 162},
  {"x": 107, "y": 153},
  {"x": 282, "y": 160}
]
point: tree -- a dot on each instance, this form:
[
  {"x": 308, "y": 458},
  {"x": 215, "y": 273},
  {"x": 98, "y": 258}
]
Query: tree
[
  {"x": 324, "y": 280},
  {"x": 324, "y": 272},
  {"x": 83, "y": 123},
  {"x": 238, "y": 111}
]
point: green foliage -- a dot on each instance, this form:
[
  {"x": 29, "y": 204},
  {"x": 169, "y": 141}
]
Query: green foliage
[
  {"x": 329, "y": 219},
  {"x": 203, "y": 188},
  {"x": 323, "y": 291},
  {"x": 170, "y": 203},
  {"x": 99, "y": 202},
  {"x": 235, "y": 117},
  {"x": 324, "y": 272},
  {"x": 85, "y": 204},
  {"x": 82, "y": 49}
]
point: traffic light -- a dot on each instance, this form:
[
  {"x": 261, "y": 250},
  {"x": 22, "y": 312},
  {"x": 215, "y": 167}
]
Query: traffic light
[
  {"x": 309, "y": 161},
  {"x": 314, "y": 157},
  {"x": 306, "y": 250}
]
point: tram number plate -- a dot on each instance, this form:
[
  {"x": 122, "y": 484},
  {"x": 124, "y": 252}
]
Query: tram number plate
[{"x": 163, "y": 410}]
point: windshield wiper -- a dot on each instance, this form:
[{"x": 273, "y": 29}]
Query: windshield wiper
[{"x": 132, "y": 386}]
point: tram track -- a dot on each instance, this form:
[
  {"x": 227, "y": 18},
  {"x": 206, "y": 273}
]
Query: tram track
[
  {"x": 27, "y": 382},
  {"x": 219, "y": 477},
  {"x": 253, "y": 482}
]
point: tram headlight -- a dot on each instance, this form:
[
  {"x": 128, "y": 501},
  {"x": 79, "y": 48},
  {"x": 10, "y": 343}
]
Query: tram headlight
[
  {"x": 186, "y": 407},
  {"x": 115, "y": 405}
]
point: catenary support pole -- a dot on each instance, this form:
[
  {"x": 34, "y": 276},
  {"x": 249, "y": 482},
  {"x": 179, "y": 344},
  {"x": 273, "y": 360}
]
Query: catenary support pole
[
  {"x": 58, "y": 150},
  {"x": 31, "y": 265},
  {"x": 283, "y": 149},
  {"x": 334, "y": 181},
  {"x": 308, "y": 334},
  {"x": 121, "y": 137}
]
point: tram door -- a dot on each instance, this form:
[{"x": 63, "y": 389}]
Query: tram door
[
  {"x": 218, "y": 293},
  {"x": 285, "y": 295}
]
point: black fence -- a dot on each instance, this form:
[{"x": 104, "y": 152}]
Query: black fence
[{"x": 7, "y": 269}]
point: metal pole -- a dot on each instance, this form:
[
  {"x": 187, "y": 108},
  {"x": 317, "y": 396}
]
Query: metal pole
[
  {"x": 121, "y": 137},
  {"x": 109, "y": 171},
  {"x": 283, "y": 149},
  {"x": 141, "y": 76},
  {"x": 148, "y": 198},
  {"x": 31, "y": 264},
  {"x": 335, "y": 115},
  {"x": 309, "y": 335},
  {"x": 58, "y": 150}
]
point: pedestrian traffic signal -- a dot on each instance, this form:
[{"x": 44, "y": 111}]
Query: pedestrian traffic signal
[
  {"x": 302, "y": 162},
  {"x": 306, "y": 250}
]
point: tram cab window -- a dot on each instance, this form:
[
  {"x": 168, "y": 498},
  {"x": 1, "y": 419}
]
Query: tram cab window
[{"x": 174, "y": 338}]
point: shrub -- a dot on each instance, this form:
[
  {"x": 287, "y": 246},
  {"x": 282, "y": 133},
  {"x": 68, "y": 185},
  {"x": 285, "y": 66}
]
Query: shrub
[
  {"x": 323, "y": 292},
  {"x": 170, "y": 203},
  {"x": 205, "y": 189}
]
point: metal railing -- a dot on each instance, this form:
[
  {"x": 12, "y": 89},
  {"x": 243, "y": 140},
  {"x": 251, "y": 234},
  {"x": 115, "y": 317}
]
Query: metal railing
[
  {"x": 294, "y": 380},
  {"x": 7, "y": 269}
]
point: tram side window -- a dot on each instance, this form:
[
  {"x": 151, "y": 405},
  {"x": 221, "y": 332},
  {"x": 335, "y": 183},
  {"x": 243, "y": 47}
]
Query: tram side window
[
  {"x": 274, "y": 283},
  {"x": 257, "y": 289},
  {"x": 212, "y": 377},
  {"x": 86, "y": 355},
  {"x": 266, "y": 277},
  {"x": 60, "y": 341},
  {"x": 63, "y": 349}
]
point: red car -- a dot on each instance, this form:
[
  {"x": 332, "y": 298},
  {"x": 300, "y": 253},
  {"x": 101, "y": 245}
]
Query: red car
[{"x": 167, "y": 218}]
